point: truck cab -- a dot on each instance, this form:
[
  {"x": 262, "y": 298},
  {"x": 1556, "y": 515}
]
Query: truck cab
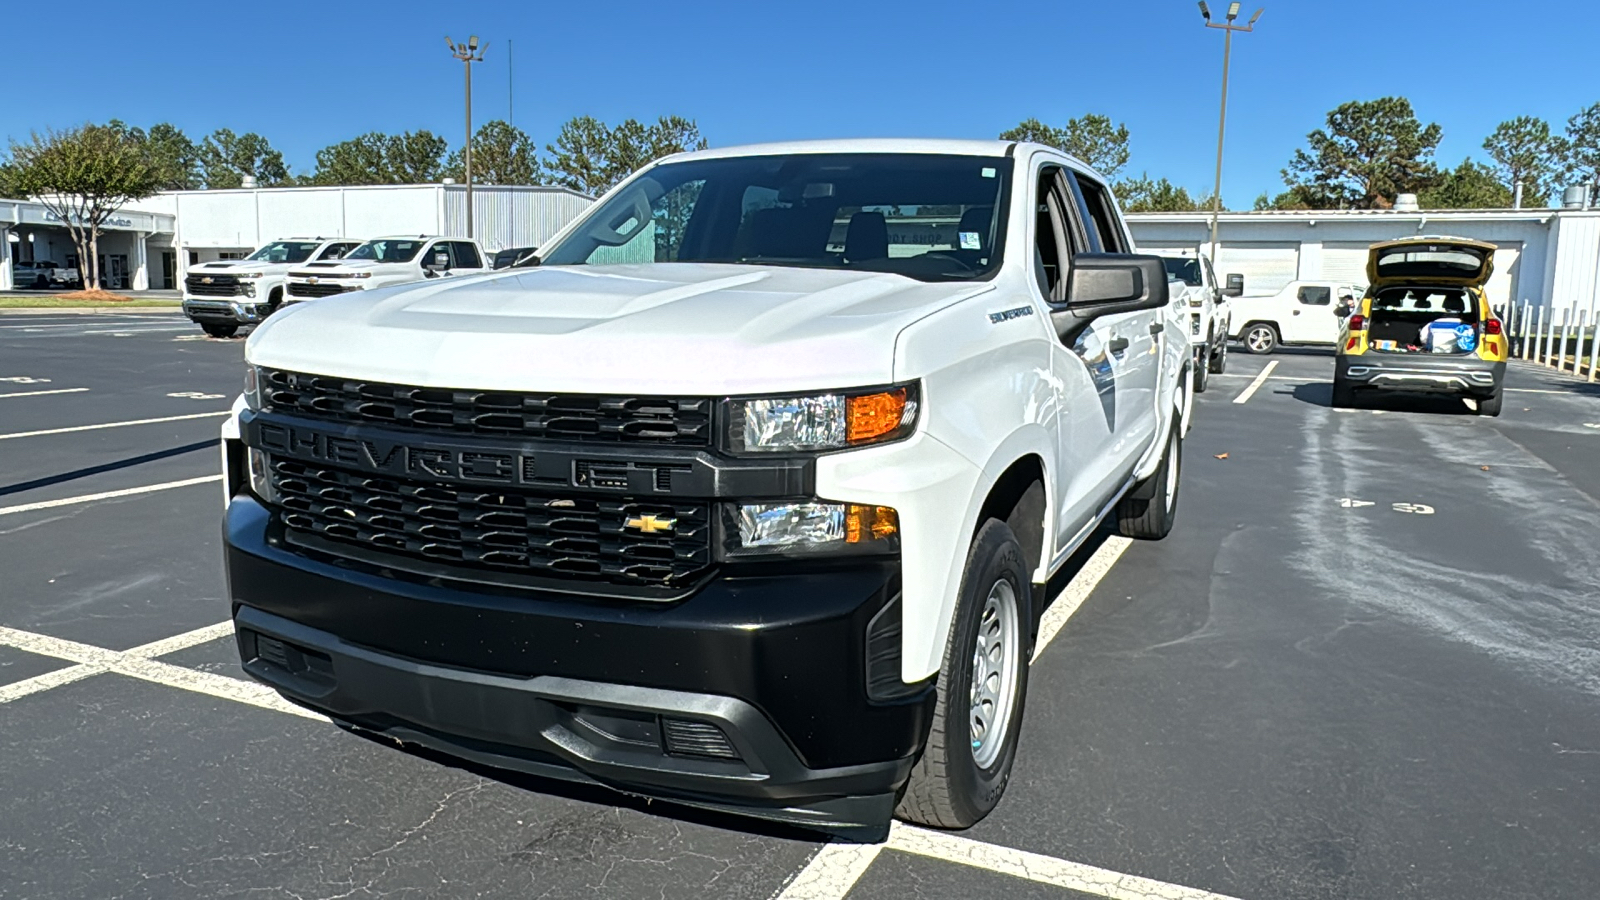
[
  {"x": 386, "y": 261},
  {"x": 744, "y": 493},
  {"x": 1304, "y": 313},
  {"x": 1196, "y": 289},
  {"x": 223, "y": 295}
]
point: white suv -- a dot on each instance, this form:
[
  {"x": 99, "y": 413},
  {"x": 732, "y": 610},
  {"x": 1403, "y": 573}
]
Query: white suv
[
  {"x": 746, "y": 495},
  {"x": 220, "y": 296},
  {"x": 386, "y": 261}
]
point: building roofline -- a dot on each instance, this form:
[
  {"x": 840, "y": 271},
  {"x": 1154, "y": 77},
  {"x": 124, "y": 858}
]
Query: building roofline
[
  {"x": 311, "y": 188},
  {"x": 1354, "y": 215}
]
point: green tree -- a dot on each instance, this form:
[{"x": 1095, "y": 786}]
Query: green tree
[
  {"x": 175, "y": 158},
  {"x": 590, "y": 157},
  {"x": 226, "y": 158},
  {"x": 1470, "y": 185},
  {"x": 1142, "y": 194},
  {"x": 1370, "y": 152},
  {"x": 83, "y": 175},
  {"x": 415, "y": 157},
  {"x": 1093, "y": 138},
  {"x": 1524, "y": 150},
  {"x": 1579, "y": 150},
  {"x": 359, "y": 160},
  {"x": 501, "y": 154}
]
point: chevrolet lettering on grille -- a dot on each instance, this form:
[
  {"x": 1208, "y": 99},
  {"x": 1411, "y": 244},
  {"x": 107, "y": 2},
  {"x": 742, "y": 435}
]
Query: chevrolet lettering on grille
[{"x": 392, "y": 457}]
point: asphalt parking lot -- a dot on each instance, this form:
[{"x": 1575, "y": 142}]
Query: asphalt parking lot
[{"x": 1366, "y": 664}]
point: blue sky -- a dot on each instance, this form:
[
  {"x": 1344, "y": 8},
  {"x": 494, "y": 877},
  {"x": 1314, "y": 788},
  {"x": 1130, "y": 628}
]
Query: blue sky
[{"x": 306, "y": 76}]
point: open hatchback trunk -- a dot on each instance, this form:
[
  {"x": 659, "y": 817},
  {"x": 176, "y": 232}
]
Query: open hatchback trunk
[{"x": 1426, "y": 294}]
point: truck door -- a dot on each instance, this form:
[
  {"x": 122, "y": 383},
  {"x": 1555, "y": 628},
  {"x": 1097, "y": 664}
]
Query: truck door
[
  {"x": 1139, "y": 335},
  {"x": 1311, "y": 318},
  {"x": 1084, "y": 364}
]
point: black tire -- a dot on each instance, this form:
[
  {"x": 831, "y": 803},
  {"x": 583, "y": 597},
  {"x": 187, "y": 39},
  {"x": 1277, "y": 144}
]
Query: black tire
[
  {"x": 948, "y": 788},
  {"x": 1344, "y": 396},
  {"x": 219, "y": 331},
  {"x": 1202, "y": 371},
  {"x": 274, "y": 300},
  {"x": 1260, "y": 337},
  {"x": 40, "y": 282},
  {"x": 1218, "y": 363},
  {"x": 1490, "y": 406},
  {"x": 1150, "y": 517}
]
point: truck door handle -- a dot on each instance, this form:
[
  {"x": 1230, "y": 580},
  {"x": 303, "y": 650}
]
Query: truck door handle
[
  {"x": 1118, "y": 344},
  {"x": 1157, "y": 328}
]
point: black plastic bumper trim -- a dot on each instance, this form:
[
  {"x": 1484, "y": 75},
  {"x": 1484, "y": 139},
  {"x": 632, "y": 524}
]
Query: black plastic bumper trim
[{"x": 1422, "y": 373}]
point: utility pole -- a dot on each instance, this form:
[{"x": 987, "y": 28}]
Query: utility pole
[
  {"x": 511, "y": 87},
  {"x": 1228, "y": 28},
  {"x": 468, "y": 53}
]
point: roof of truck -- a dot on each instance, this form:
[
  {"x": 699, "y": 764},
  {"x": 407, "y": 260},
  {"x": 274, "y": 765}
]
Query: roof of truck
[{"x": 947, "y": 146}]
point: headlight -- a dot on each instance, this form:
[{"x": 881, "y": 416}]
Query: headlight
[
  {"x": 831, "y": 421},
  {"x": 250, "y": 274},
  {"x": 361, "y": 275},
  {"x": 260, "y": 483},
  {"x": 247, "y": 288},
  {"x": 813, "y": 527},
  {"x": 252, "y": 388}
]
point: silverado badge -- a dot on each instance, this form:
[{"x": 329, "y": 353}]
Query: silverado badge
[{"x": 649, "y": 524}]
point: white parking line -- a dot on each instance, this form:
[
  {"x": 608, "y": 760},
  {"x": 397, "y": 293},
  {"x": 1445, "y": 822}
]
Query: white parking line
[
  {"x": 44, "y": 393},
  {"x": 832, "y": 872},
  {"x": 84, "y": 670},
  {"x": 135, "y": 665},
  {"x": 23, "y": 434},
  {"x": 107, "y": 495},
  {"x": 1244, "y": 397},
  {"x": 1078, "y": 590}
]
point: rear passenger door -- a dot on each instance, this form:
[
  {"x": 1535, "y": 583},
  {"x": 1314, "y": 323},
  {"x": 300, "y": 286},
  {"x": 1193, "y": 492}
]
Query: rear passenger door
[
  {"x": 1311, "y": 317},
  {"x": 465, "y": 258},
  {"x": 1135, "y": 338}
]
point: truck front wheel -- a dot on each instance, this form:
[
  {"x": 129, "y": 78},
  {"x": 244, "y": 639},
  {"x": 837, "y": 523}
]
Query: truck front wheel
[
  {"x": 1201, "y": 372},
  {"x": 1149, "y": 511},
  {"x": 978, "y": 714},
  {"x": 220, "y": 330},
  {"x": 1219, "y": 356}
]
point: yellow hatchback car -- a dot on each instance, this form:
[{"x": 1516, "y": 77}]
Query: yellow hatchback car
[{"x": 1425, "y": 325}]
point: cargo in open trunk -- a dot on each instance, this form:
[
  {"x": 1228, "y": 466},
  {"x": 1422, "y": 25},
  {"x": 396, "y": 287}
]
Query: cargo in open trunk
[{"x": 1424, "y": 320}]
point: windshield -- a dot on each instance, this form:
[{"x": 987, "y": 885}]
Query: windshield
[
  {"x": 1184, "y": 270},
  {"x": 930, "y": 217},
  {"x": 392, "y": 251},
  {"x": 284, "y": 252}
]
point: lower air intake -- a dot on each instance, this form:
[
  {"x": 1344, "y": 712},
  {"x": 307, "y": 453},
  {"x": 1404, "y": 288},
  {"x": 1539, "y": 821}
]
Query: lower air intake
[{"x": 700, "y": 739}]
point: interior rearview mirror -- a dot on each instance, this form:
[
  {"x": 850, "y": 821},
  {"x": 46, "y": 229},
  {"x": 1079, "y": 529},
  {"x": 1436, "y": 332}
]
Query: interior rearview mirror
[{"x": 1235, "y": 286}]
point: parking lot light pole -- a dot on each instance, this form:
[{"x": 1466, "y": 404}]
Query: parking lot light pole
[
  {"x": 468, "y": 53},
  {"x": 1228, "y": 28}
]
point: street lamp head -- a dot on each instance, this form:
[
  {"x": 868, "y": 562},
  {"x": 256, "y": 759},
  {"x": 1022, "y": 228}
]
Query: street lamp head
[
  {"x": 472, "y": 42},
  {"x": 1233, "y": 11},
  {"x": 1255, "y": 17},
  {"x": 1205, "y": 12}
]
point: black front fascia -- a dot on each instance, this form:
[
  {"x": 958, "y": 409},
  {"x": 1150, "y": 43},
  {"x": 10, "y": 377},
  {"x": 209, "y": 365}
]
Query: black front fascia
[{"x": 628, "y": 470}]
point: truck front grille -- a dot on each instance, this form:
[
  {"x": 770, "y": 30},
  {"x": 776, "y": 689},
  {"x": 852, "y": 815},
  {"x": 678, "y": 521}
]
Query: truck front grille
[
  {"x": 318, "y": 290},
  {"x": 678, "y": 421},
  {"x": 616, "y": 540},
  {"x": 212, "y": 285}
]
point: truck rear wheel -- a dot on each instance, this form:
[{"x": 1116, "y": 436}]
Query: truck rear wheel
[
  {"x": 972, "y": 742},
  {"x": 1260, "y": 338},
  {"x": 1149, "y": 511},
  {"x": 220, "y": 331}
]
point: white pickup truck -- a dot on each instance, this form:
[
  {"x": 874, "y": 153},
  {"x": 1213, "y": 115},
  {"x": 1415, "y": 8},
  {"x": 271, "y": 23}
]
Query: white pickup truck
[
  {"x": 386, "y": 261},
  {"x": 1306, "y": 313},
  {"x": 222, "y": 295},
  {"x": 1209, "y": 312},
  {"x": 746, "y": 495}
]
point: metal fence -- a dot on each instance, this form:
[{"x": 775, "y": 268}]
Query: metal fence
[{"x": 1564, "y": 340}]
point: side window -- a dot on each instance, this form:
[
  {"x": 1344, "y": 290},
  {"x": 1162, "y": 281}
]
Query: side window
[
  {"x": 1052, "y": 242},
  {"x": 1316, "y": 295},
  {"x": 466, "y": 255},
  {"x": 1103, "y": 219},
  {"x": 336, "y": 251}
]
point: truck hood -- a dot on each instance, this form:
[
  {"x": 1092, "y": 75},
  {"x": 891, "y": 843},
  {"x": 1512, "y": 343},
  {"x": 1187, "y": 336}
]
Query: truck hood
[
  {"x": 229, "y": 266},
  {"x": 349, "y": 265},
  {"x": 682, "y": 328}
]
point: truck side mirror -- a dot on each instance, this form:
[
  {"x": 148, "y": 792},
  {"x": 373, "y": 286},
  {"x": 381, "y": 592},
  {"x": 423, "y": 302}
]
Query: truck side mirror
[
  {"x": 1103, "y": 284},
  {"x": 1235, "y": 286},
  {"x": 441, "y": 262}
]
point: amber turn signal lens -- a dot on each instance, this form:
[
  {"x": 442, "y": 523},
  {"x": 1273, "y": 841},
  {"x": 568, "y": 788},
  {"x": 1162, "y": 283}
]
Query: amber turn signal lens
[
  {"x": 872, "y": 416},
  {"x": 870, "y": 523}
]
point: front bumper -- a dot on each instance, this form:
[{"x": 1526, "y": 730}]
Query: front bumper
[
  {"x": 240, "y": 311},
  {"x": 563, "y": 686},
  {"x": 1468, "y": 376}
]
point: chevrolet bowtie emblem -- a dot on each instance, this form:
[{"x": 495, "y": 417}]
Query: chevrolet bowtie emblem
[
  {"x": 311, "y": 280},
  {"x": 650, "y": 524},
  {"x": 207, "y": 280}
]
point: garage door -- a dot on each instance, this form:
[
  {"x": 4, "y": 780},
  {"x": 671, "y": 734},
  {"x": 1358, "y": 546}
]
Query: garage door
[
  {"x": 1345, "y": 261},
  {"x": 1502, "y": 286},
  {"x": 1267, "y": 267},
  {"x": 1170, "y": 248}
]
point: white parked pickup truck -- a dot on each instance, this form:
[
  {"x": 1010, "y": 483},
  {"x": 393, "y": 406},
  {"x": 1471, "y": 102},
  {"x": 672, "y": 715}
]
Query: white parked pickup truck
[
  {"x": 1209, "y": 312},
  {"x": 386, "y": 261},
  {"x": 222, "y": 295},
  {"x": 746, "y": 495},
  {"x": 1304, "y": 312}
]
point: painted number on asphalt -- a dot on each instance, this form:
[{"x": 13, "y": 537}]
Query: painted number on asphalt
[
  {"x": 23, "y": 379},
  {"x": 1419, "y": 509},
  {"x": 195, "y": 395},
  {"x": 1349, "y": 503}
]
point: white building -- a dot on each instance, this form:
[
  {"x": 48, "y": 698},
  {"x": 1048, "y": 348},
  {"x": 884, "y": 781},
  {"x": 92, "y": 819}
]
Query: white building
[
  {"x": 152, "y": 242},
  {"x": 1547, "y": 257}
]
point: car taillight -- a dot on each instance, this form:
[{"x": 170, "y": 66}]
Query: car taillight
[
  {"x": 1491, "y": 327},
  {"x": 1358, "y": 323}
]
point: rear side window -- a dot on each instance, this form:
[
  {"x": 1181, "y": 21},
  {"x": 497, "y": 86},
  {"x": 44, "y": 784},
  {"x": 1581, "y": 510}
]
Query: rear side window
[
  {"x": 466, "y": 255},
  {"x": 337, "y": 251},
  {"x": 1316, "y": 295},
  {"x": 1103, "y": 219}
]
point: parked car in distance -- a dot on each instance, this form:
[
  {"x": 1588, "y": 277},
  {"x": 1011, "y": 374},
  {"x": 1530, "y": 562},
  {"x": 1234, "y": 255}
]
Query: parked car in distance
[
  {"x": 1425, "y": 325},
  {"x": 1303, "y": 313},
  {"x": 745, "y": 496},
  {"x": 224, "y": 294},
  {"x": 41, "y": 274},
  {"x": 510, "y": 256},
  {"x": 386, "y": 261},
  {"x": 1209, "y": 312}
]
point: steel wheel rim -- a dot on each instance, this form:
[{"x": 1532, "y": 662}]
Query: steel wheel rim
[{"x": 996, "y": 661}]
